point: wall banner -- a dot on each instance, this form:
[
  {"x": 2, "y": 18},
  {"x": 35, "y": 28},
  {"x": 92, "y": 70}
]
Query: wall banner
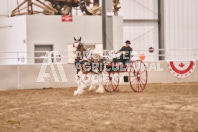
[{"x": 181, "y": 69}]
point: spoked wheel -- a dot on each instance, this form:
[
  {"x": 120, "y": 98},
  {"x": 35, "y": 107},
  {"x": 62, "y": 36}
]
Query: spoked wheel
[
  {"x": 110, "y": 81},
  {"x": 138, "y": 76}
]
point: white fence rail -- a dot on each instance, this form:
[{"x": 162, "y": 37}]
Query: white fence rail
[{"x": 22, "y": 57}]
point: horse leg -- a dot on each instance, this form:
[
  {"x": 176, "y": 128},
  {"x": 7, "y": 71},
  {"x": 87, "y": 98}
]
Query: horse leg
[
  {"x": 100, "y": 88},
  {"x": 81, "y": 85},
  {"x": 92, "y": 87},
  {"x": 94, "y": 81},
  {"x": 80, "y": 90},
  {"x": 77, "y": 91}
]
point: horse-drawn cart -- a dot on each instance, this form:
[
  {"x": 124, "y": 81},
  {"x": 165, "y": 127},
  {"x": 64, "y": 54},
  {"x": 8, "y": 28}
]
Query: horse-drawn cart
[
  {"x": 107, "y": 68},
  {"x": 137, "y": 75}
]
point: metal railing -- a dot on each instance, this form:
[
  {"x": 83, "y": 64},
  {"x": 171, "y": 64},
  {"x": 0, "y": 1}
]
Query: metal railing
[{"x": 23, "y": 57}]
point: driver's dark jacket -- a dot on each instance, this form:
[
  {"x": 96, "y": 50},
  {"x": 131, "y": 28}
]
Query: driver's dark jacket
[{"x": 128, "y": 51}]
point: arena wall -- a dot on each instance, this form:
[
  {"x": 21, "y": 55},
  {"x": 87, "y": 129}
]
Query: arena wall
[
  {"x": 166, "y": 77},
  {"x": 15, "y": 77},
  {"x": 8, "y": 77},
  {"x": 181, "y": 26},
  {"x": 42, "y": 30},
  {"x": 12, "y": 38},
  {"x": 27, "y": 31}
]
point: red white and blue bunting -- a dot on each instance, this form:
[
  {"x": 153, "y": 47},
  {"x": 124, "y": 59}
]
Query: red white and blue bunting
[{"x": 181, "y": 69}]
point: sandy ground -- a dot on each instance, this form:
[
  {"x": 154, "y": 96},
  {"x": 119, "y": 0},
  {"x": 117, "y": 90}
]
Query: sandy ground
[{"x": 161, "y": 107}]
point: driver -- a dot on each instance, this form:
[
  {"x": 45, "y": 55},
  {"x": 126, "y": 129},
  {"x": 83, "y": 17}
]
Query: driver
[{"x": 125, "y": 53}]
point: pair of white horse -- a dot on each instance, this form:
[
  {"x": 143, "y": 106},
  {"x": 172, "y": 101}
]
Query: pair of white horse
[{"x": 95, "y": 77}]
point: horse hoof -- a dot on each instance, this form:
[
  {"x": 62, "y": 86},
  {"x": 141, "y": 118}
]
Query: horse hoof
[
  {"x": 78, "y": 92},
  {"x": 75, "y": 93},
  {"x": 100, "y": 91},
  {"x": 92, "y": 88}
]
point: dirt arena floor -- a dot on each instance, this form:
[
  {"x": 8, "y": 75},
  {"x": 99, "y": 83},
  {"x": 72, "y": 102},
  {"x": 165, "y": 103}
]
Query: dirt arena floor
[{"x": 161, "y": 107}]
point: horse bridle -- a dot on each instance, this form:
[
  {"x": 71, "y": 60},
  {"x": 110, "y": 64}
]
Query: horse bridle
[{"x": 78, "y": 48}]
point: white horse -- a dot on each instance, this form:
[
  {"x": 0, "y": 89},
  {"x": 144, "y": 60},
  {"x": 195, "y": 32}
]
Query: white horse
[{"x": 89, "y": 68}]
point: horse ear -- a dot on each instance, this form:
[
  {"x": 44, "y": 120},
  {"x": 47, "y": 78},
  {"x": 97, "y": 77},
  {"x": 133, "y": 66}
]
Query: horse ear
[
  {"x": 80, "y": 39},
  {"x": 74, "y": 38}
]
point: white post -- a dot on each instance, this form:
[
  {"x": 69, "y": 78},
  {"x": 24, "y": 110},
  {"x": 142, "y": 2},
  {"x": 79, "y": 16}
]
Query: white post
[{"x": 18, "y": 70}]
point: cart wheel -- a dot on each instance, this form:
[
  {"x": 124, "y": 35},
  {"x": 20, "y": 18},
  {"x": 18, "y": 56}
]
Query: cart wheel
[
  {"x": 138, "y": 76},
  {"x": 110, "y": 81}
]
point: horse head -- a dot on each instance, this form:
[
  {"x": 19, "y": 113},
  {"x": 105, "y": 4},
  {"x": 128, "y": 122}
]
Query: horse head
[
  {"x": 76, "y": 44},
  {"x": 78, "y": 47}
]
